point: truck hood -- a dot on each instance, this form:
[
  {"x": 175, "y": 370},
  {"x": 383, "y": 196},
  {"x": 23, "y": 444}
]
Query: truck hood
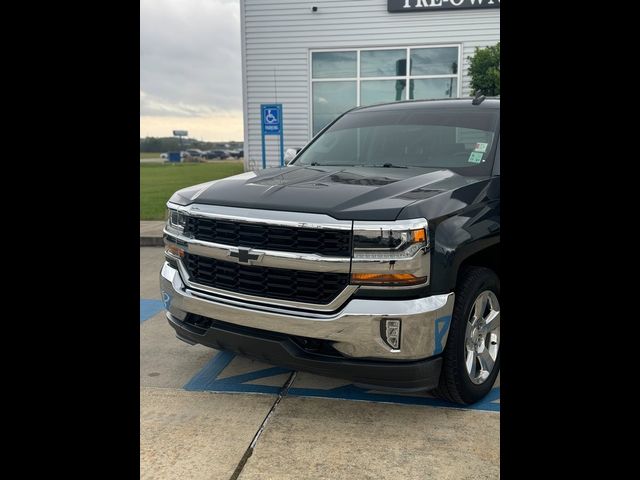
[{"x": 345, "y": 193}]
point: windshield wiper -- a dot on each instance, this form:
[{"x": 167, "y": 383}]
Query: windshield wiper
[
  {"x": 316, "y": 164},
  {"x": 385, "y": 165},
  {"x": 390, "y": 165}
]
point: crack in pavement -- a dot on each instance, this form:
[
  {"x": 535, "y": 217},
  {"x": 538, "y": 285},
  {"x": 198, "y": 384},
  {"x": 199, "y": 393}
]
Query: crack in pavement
[{"x": 249, "y": 451}]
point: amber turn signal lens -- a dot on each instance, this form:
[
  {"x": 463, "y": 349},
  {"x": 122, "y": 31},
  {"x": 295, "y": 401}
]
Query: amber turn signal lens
[
  {"x": 175, "y": 251},
  {"x": 386, "y": 278},
  {"x": 418, "y": 235}
]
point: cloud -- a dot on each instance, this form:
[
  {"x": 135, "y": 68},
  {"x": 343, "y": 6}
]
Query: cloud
[
  {"x": 190, "y": 62},
  {"x": 226, "y": 127}
]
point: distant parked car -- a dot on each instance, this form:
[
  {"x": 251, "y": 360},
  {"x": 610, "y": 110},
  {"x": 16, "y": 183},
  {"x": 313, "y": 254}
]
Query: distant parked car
[
  {"x": 240, "y": 154},
  {"x": 194, "y": 152},
  {"x": 216, "y": 154}
]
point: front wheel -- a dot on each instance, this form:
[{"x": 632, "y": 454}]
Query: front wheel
[{"x": 471, "y": 359}]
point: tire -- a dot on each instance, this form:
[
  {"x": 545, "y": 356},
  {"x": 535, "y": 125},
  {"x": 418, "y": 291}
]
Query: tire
[{"x": 456, "y": 384}]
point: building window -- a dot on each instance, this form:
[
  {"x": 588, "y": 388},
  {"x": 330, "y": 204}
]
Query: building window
[{"x": 343, "y": 79}]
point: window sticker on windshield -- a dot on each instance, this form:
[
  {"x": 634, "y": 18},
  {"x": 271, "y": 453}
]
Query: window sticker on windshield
[
  {"x": 481, "y": 147},
  {"x": 475, "y": 157}
]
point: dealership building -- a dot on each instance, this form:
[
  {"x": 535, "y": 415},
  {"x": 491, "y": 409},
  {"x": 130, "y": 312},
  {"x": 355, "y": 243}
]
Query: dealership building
[{"x": 319, "y": 58}]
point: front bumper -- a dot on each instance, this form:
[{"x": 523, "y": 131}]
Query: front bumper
[
  {"x": 280, "y": 349},
  {"x": 354, "y": 329}
]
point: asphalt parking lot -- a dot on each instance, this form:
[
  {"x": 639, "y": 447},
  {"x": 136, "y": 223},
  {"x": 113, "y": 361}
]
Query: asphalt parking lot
[{"x": 214, "y": 415}]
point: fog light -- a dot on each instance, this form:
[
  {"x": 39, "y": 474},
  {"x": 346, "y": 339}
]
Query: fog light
[{"x": 390, "y": 332}]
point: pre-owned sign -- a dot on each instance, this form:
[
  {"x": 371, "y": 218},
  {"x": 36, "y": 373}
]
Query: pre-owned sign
[{"x": 399, "y": 6}]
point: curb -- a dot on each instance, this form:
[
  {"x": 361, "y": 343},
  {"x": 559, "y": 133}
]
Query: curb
[{"x": 151, "y": 242}]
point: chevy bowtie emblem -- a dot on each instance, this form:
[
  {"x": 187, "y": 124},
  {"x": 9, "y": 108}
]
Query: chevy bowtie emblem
[{"x": 244, "y": 255}]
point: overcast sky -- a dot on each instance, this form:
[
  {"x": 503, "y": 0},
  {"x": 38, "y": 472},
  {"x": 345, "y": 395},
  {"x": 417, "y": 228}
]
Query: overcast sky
[{"x": 190, "y": 68}]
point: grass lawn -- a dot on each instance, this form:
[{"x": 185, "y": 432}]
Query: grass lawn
[
  {"x": 159, "y": 181},
  {"x": 144, "y": 155}
]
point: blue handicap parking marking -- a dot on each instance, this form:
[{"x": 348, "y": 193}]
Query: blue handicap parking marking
[
  {"x": 442, "y": 328},
  {"x": 148, "y": 308},
  {"x": 490, "y": 402},
  {"x": 208, "y": 379},
  {"x": 352, "y": 392}
]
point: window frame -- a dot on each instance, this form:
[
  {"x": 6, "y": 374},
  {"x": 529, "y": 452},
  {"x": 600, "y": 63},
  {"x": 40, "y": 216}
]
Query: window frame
[
  {"x": 496, "y": 159},
  {"x": 359, "y": 78}
]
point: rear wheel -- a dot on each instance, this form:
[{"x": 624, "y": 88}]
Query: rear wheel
[{"x": 471, "y": 359}]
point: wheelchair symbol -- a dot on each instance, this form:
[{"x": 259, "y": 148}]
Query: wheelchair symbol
[
  {"x": 269, "y": 117},
  {"x": 166, "y": 300}
]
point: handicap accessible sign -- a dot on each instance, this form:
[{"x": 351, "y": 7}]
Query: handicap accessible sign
[{"x": 271, "y": 119}]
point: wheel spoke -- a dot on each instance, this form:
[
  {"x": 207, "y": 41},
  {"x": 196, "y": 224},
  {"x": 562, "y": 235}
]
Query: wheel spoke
[
  {"x": 467, "y": 333},
  {"x": 493, "y": 320},
  {"x": 480, "y": 305},
  {"x": 471, "y": 362},
  {"x": 486, "y": 361}
]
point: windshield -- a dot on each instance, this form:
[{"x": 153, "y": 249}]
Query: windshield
[{"x": 456, "y": 138}]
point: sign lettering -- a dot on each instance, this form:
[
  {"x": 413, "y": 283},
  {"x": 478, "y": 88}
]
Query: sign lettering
[{"x": 403, "y": 6}]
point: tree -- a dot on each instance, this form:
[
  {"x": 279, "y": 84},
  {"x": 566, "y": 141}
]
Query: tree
[{"x": 484, "y": 69}]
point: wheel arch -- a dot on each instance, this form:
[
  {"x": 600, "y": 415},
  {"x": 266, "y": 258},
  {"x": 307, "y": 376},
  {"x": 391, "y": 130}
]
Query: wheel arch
[{"x": 488, "y": 257}]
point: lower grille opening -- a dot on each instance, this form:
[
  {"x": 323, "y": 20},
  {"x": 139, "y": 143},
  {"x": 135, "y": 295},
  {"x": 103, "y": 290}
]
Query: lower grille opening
[
  {"x": 198, "y": 322},
  {"x": 317, "y": 346},
  {"x": 314, "y": 346}
]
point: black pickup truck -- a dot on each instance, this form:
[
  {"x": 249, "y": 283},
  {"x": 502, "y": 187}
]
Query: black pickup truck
[{"x": 373, "y": 256}]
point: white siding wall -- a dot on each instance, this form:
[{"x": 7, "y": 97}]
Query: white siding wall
[{"x": 278, "y": 34}]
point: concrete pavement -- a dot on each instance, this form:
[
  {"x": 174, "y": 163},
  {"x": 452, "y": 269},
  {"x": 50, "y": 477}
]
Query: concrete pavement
[
  {"x": 151, "y": 233},
  {"x": 196, "y": 435},
  {"x": 338, "y": 439}
]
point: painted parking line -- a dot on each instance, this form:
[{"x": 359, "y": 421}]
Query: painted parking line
[
  {"x": 148, "y": 308},
  {"x": 207, "y": 379},
  {"x": 351, "y": 392}
]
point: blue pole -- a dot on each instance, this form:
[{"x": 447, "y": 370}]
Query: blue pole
[
  {"x": 264, "y": 155},
  {"x": 281, "y": 138}
]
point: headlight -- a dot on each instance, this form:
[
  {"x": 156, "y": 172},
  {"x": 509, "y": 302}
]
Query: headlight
[
  {"x": 391, "y": 253},
  {"x": 387, "y": 243},
  {"x": 176, "y": 220}
]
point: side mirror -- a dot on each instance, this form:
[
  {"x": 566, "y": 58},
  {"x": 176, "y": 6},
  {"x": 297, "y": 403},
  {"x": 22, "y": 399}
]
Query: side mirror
[{"x": 290, "y": 154}]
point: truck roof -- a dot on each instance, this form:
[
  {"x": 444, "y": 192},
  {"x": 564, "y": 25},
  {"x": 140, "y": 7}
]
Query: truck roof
[{"x": 489, "y": 102}]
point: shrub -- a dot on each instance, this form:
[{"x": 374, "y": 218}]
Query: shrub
[{"x": 484, "y": 70}]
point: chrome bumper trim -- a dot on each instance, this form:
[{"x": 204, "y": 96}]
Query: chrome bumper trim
[{"x": 354, "y": 329}]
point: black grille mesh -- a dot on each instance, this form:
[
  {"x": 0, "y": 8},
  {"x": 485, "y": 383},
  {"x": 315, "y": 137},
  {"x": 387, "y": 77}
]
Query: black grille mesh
[
  {"x": 269, "y": 237},
  {"x": 294, "y": 285}
]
